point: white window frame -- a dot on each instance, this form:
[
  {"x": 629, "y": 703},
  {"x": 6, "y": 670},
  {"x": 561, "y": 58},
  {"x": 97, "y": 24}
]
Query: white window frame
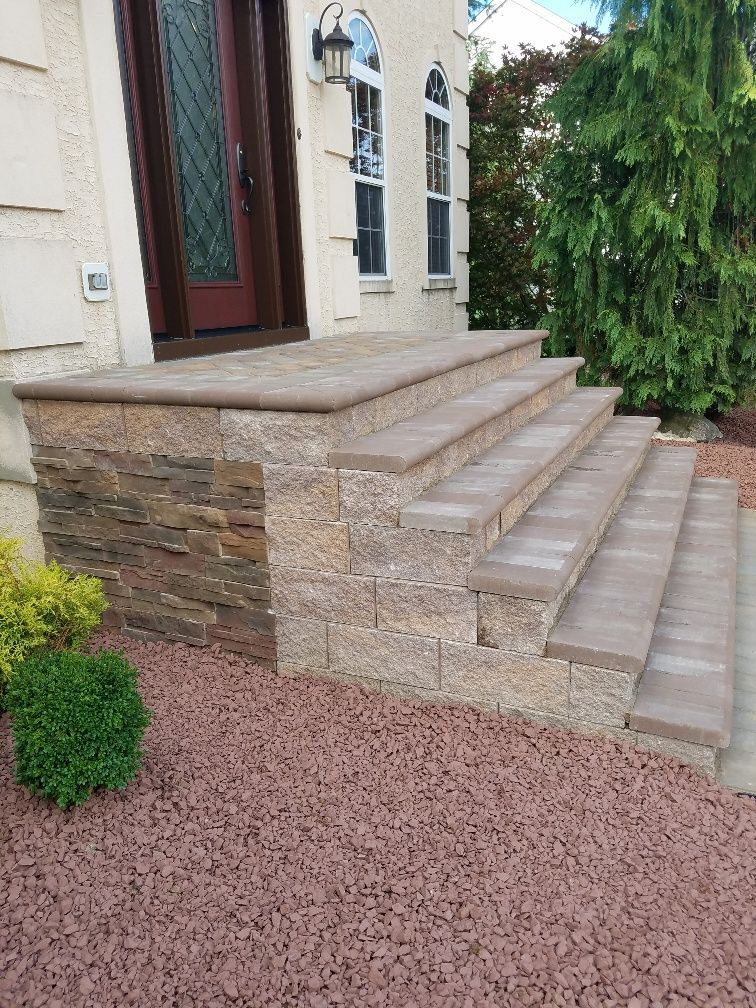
[
  {"x": 377, "y": 80},
  {"x": 445, "y": 115}
]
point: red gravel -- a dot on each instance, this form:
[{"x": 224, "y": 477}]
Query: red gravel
[
  {"x": 734, "y": 456},
  {"x": 298, "y": 843}
]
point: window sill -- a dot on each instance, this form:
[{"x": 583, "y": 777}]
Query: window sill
[
  {"x": 440, "y": 283},
  {"x": 376, "y": 286}
]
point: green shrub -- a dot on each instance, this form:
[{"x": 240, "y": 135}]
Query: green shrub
[
  {"x": 42, "y": 607},
  {"x": 77, "y": 723}
]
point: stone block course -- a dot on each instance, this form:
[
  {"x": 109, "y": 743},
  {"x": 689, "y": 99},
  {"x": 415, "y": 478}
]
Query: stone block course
[
  {"x": 295, "y": 491},
  {"x": 598, "y": 694},
  {"x": 505, "y": 677},
  {"x": 183, "y": 430},
  {"x": 82, "y": 425},
  {"x": 307, "y": 544},
  {"x": 380, "y": 655},
  {"x": 343, "y": 598},
  {"x": 427, "y": 610},
  {"x": 415, "y": 554}
]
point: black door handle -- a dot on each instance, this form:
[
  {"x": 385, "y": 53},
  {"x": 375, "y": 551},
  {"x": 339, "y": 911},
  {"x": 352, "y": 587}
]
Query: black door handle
[{"x": 245, "y": 179}]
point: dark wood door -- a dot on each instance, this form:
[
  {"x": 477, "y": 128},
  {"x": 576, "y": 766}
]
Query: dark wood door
[
  {"x": 199, "y": 70},
  {"x": 200, "y": 77}
]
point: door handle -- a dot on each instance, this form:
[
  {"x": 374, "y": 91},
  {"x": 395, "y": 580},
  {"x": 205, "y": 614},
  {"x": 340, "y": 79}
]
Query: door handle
[{"x": 245, "y": 179}]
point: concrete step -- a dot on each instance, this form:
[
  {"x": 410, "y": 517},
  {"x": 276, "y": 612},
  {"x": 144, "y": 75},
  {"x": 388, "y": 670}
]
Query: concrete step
[
  {"x": 380, "y": 473},
  {"x": 410, "y": 442},
  {"x": 526, "y": 578},
  {"x": 506, "y": 479},
  {"x": 686, "y": 688},
  {"x": 611, "y": 614}
]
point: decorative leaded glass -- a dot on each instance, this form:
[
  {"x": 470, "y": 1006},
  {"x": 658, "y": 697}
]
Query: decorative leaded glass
[
  {"x": 365, "y": 50},
  {"x": 436, "y": 90},
  {"x": 194, "y": 74}
]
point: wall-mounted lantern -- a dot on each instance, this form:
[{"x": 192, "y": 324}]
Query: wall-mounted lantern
[{"x": 335, "y": 50}]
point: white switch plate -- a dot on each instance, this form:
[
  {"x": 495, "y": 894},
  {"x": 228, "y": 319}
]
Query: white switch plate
[{"x": 101, "y": 271}]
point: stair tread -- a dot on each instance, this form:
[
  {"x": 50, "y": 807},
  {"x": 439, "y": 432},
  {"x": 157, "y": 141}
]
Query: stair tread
[
  {"x": 686, "y": 689},
  {"x": 468, "y": 499},
  {"x": 611, "y": 615},
  {"x": 409, "y": 442},
  {"x": 537, "y": 557}
]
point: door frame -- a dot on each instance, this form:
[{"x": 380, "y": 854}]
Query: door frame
[{"x": 261, "y": 36}]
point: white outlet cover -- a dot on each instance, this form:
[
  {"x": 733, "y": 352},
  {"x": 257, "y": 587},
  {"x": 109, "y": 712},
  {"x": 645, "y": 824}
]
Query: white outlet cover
[{"x": 87, "y": 270}]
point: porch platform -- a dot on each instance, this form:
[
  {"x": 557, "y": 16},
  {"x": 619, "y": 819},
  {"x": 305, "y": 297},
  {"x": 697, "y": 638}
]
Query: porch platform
[
  {"x": 310, "y": 505},
  {"x": 317, "y": 376}
]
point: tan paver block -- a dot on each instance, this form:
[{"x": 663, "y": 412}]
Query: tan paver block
[
  {"x": 414, "y": 554},
  {"x": 514, "y": 624},
  {"x": 428, "y": 610},
  {"x": 702, "y": 757},
  {"x": 295, "y": 671},
  {"x": 292, "y": 438},
  {"x": 301, "y": 492},
  {"x": 514, "y": 680},
  {"x": 377, "y": 654},
  {"x": 174, "y": 430},
  {"x": 603, "y": 695},
  {"x": 573, "y": 725},
  {"x": 318, "y": 595},
  {"x": 402, "y": 692},
  {"x": 82, "y": 425},
  {"x": 302, "y": 641},
  {"x": 307, "y": 544}
]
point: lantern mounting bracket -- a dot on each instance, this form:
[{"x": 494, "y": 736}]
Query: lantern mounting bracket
[{"x": 317, "y": 33}]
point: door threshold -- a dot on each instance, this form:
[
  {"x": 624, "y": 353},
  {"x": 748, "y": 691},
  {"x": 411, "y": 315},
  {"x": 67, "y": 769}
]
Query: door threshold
[{"x": 225, "y": 342}]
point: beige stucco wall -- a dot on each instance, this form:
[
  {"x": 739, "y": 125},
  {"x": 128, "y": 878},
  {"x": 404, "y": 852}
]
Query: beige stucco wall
[
  {"x": 59, "y": 208},
  {"x": 66, "y": 198},
  {"x": 412, "y": 37}
]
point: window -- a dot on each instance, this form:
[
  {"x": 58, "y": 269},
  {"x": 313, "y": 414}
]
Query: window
[
  {"x": 438, "y": 173},
  {"x": 368, "y": 162}
]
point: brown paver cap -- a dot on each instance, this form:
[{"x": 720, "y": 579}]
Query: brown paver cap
[
  {"x": 317, "y": 376},
  {"x": 408, "y": 442},
  {"x": 686, "y": 690},
  {"x": 612, "y": 612},
  {"x": 537, "y": 557},
  {"x": 468, "y": 499}
]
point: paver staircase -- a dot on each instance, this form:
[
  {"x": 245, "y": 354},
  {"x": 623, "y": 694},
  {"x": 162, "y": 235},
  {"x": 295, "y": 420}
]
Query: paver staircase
[{"x": 451, "y": 518}]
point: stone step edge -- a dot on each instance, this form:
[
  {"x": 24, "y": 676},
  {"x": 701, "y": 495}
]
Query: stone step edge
[
  {"x": 558, "y": 597},
  {"x": 366, "y": 454},
  {"x": 589, "y": 653},
  {"x": 409, "y": 518},
  {"x": 642, "y": 716}
]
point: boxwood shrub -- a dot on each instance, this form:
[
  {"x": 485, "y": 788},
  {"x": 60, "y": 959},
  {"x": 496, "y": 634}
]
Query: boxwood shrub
[{"x": 77, "y": 723}]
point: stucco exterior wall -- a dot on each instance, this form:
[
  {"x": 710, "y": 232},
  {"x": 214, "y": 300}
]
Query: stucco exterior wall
[
  {"x": 412, "y": 37},
  {"x": 66, "y": 198},
  {"x": 54, "y": 216}
]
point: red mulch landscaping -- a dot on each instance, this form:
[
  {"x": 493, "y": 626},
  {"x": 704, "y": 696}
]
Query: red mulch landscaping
[
  {"x": 300, "y": 843},
  {"x": 734, "y": 456}
]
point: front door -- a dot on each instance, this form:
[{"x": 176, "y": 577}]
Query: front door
[{"x": 216, "y": 226}]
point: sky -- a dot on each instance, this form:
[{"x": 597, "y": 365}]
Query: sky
[{"x": 574, "y": 10}]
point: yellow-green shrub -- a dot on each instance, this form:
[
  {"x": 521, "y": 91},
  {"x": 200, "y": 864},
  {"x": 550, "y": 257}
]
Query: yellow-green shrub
[{"x": 42, "y": 607}]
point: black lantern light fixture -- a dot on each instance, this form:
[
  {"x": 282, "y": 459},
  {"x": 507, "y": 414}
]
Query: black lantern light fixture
[{"x": 335, "y": 50}]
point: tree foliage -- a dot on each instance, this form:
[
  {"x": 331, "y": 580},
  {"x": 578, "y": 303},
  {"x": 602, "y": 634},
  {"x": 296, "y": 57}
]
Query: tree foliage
[
  {"x": 511, "y": 134},
  {"x": 648, "y": 233}
]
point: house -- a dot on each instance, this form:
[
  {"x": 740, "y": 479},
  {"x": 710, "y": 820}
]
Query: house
[
  {"x": 177, "y": 179},
  {"x": 508, "y": 24}
]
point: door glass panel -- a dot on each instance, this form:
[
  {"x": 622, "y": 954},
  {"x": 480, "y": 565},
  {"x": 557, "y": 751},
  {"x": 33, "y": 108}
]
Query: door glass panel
[{"x": 194, "y": 79}]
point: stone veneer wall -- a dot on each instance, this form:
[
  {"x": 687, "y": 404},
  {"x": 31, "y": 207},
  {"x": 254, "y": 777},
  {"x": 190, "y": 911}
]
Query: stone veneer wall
[{"x": 178, "y": 540}]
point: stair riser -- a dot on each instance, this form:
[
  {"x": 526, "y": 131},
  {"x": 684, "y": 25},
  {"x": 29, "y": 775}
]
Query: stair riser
[
  {"x": 307, "y": 438},
  {"x": 377, "y": 498},
  {"x": 523, "y": 625}
]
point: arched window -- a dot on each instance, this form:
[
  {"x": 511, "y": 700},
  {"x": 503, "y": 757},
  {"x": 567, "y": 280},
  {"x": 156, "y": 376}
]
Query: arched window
[
  {"x": 368, "y": 159},
  {"x": 438, "y": 172}
]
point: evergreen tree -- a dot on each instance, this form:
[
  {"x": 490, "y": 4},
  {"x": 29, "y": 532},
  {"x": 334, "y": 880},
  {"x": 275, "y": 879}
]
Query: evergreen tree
[
  {"x": 511, "y": 134},
  {"x": 649, "y": 232}
]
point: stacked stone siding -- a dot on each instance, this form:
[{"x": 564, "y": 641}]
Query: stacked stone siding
[{"x": 179, "y": 542}]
